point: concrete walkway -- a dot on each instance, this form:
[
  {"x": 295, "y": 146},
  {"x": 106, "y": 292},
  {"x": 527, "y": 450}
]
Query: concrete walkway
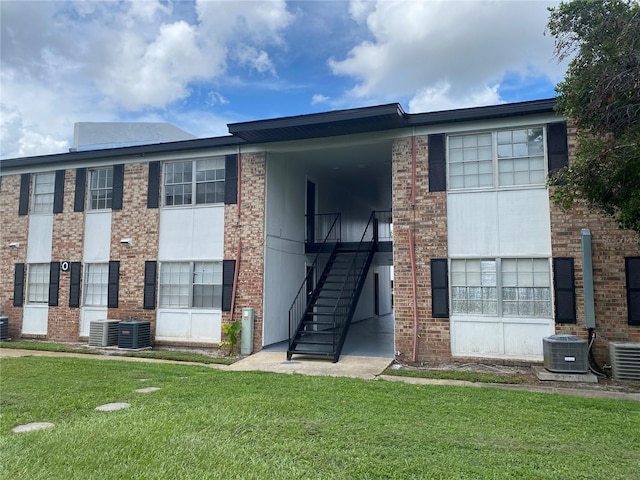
[{"x": 370, "y": 368}]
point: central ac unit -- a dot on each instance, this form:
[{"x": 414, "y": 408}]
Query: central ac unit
[
  {"x": 565, "y": 354},
  {"x": 625, "y": 360},
  {"x": 4, "y": 328},
  {"x": 134, "y": 334},
  {"x": 103, "y": 333}
]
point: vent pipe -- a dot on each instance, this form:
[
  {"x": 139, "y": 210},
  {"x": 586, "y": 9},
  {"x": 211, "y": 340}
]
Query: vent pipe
[{"x": 587, "y": 279}]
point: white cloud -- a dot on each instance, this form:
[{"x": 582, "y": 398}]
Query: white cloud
[
  {"x": 258, "y": 60},
  {"x": 438, "y": 98},
  {"x": 319, "y": 98},
  {"x": 467, "y": 46}
]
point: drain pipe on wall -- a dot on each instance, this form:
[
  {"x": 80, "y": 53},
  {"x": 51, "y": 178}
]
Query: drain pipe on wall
[
  {"x": 412, "y": 250},
  {"x": 589, "y": 304},
  {"x": 239, "y": 247}
]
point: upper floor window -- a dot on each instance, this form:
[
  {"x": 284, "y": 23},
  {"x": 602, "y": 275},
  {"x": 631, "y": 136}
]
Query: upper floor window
[
  {"x": 43, "y": 192},
  {"x": 501, "y": 158},
  {"x": 101, "y": 188},
  {"x": 194, "y": 182},
  {"x": 38, "y": 283}
]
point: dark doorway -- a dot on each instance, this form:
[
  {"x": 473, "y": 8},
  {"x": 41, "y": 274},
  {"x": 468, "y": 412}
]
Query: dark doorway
[
  {"x": 376, "y": 294},
  {"x": 311, "y": 211}
]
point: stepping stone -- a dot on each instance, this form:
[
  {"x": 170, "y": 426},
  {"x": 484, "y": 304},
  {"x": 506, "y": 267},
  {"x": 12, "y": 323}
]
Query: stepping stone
[
  {"x": 147, "y": 389},
  {"x": 30, "y": 427},
  {"x": 112, "y": 407}
]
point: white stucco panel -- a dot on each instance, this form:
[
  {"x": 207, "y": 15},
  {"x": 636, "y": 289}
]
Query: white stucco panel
[
  {"x": 88, "y": 315},
  {"x": 40, "y": 238},
  {"x": 191, "y": 233},
  {"x": 499, "y": 223},
  {"x": 35, "y": 319},
  {"x": 524, "y": 223},
  {"x": 97, "y": 236},
  {"x": 189, "y": 326}
]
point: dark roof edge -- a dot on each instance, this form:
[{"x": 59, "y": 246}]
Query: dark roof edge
[
  {"x": 317, "y": 118},
  {"x": 138, "y": 150},
  {"x": 531, "y": 107}
]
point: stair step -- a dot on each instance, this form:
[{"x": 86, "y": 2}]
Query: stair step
[{"x": 310, "y": 352}]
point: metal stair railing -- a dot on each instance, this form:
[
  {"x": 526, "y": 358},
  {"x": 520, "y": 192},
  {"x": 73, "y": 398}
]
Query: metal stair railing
[
  {"x": 301, "y": 303},
  {"x": 352, "y": 285}
]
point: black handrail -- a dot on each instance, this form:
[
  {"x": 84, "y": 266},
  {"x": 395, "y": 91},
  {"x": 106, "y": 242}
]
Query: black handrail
[
  {"x": 345, "y": 307},
  {"x": 301, "y": 304}
]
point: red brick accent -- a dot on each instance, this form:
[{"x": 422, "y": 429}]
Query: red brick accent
[
  {"x": 142, "y": 225},
  {"x": 248, "y": 227},
  {"x": 67, "y": 245},
  {"x": 428, "y": 221},
  {"x": 14, "y": 228},
  {"x": 610, "y": 245}
]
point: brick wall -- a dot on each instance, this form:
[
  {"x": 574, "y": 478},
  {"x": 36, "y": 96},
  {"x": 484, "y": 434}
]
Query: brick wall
[
  {"x": 142, "y": 225},
  {"x": 14, "y": 229},
  {"x": 248, "y": 227},
  {"x": 428, "y": 221},
  {"x": 610, "y": 245},
  {"x": 67, "y": 245}
]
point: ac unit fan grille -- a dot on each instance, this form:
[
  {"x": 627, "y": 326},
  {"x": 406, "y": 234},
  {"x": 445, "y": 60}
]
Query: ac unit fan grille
[
  {"x": 625, "y": 360},
  {"x": 565, "y": 354}
]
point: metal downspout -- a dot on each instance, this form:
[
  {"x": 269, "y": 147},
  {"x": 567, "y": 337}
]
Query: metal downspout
[{"x": 412, "y": 252}]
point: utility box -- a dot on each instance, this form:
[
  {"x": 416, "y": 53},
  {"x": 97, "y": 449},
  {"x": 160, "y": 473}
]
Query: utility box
[
  {"x": 565, "y": 354},
  {"x": 4, "y": 328},
  {"x": 246, "y": 342},
  {"x": 134, "y": 334}
]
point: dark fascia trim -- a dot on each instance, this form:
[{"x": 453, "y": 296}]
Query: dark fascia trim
[
  {"x": 391, "y": 109},
  {"x": 115, "y": 153},
  {"x": 504, "y": 110}
]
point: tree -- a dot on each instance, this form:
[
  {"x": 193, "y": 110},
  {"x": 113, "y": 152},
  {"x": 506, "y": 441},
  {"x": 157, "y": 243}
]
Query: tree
[{"x": 601, "y": 94}]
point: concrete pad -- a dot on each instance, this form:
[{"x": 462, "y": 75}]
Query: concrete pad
[
  {"x": 30, "y": 427},
  {"x": 147, "y": 389},
  {"x": 112, "y": 407},
  {"x": 348, "y": 366},
  {"x": 544, "y": 374}
]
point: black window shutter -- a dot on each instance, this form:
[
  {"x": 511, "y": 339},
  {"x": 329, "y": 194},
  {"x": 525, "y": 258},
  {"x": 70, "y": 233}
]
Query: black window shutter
[
  {"x": 228, "y": 274},
  {"x": 437, "y": 163},
  {"x": 231, "y": 179},
  {"x": 150, "y": 271},
  {"x": 75, "y": 270},
  {"x": 54, "y": 283},
  {"x": 118, "y": 182},
  {"x": 564, "y": 289},
  {"x": 23, "y": 205},
  {"x": 153, "y": 186},
  {"x": 557, "y": 148},
  {"x": 632, "y": 267},
  {"x": 18, "y": 285},
  {"x": 58, "y": 192},
  {"x": 81, "y": 184},
  {"x": 439, "y": 288},
  {"x": 113, "y": 284}
]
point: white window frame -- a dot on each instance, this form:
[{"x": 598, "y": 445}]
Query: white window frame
[
  {"x": 38, "y": 283},
  {"x": 505, "y": 289},
  {"x": 96, "y": 284},
  {"x": 469, "y": 168},
  {"x": 44, "y": 185},
  {"x": 206, "y": 179},
  {"x": 186, "y": 284},
  {"x": 101, "y": 188}
]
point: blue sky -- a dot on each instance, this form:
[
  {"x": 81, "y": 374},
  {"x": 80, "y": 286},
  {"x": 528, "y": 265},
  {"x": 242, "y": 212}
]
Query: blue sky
[{"x": 203, "y": 64}]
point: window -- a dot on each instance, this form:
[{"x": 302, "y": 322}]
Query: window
[
  {"x": 96, "y": 284},
  {"x": 43, "y": 191},
  {"x": 517, "y": 155},
  {"x": 180, "y": 183},
  {"x": 191, "y": 284},
  {"x": 38, "y": 283},
  {"x": 101, "y": 188},
  {"x": 521, "y": 157},
  {"x": 513, "y": 287}
]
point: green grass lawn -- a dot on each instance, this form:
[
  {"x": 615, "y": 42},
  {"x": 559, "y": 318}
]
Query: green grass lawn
[{"x": 205, "y": 423}]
